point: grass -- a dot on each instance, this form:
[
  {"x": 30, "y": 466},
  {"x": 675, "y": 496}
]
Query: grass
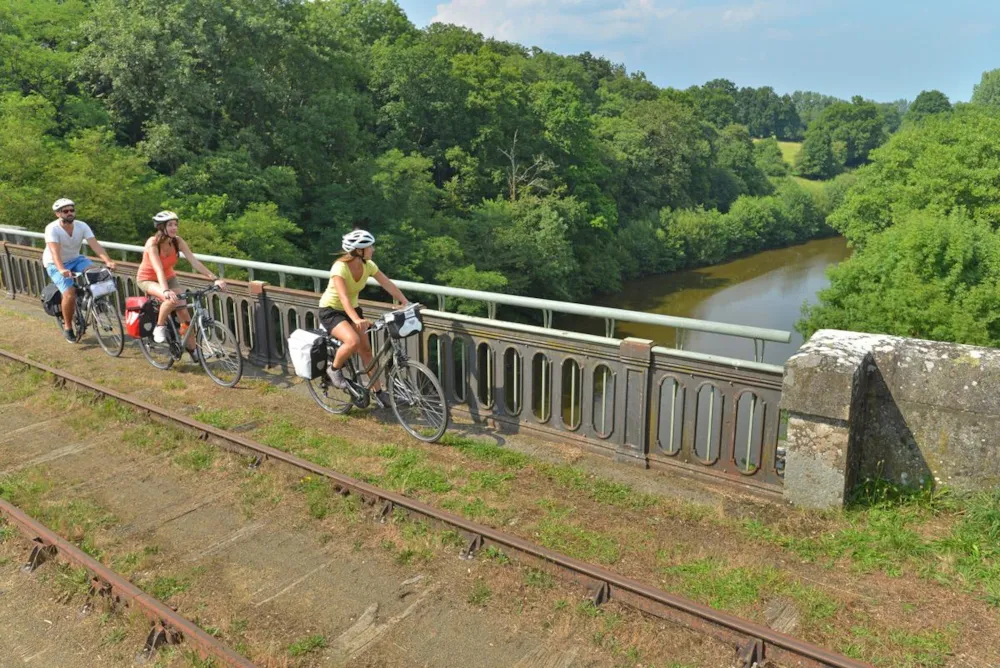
[
  {"x": 20, "y": 382},
  {"x": 307, "y": 645},
  {"x": 480, "y": 594},
  {"x": 164, "y": 587},
  {"x": 578, "y": 542},
  {"x": 598, "y": 489},
  {"x": 814, "y": 187},
  {"x": 70, "y": 582},
  {"x": 951, "y": 539},
  {"x": 790, "y": 151},
  {"x": 199, "y": 458},
  {"x": 257, "y": 488},
  {"x": 486, "y": 451},
  {"x": 407, "y": 473},
  {"x": 910, "y": 650}
]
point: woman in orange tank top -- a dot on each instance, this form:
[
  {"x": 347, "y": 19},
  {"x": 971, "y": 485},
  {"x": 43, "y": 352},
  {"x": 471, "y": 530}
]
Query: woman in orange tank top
[{"x": 156, "y": 276}]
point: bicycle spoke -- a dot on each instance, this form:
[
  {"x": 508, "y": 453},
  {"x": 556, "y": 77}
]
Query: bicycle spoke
[{"x": 418, "y": 401}]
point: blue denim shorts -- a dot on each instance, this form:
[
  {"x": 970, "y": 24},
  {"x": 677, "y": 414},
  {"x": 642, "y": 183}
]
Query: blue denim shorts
[{"x": 77, "y": 264}]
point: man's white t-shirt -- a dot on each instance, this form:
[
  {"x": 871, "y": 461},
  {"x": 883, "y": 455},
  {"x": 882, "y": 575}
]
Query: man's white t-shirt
[{"x": 69, "y": 246}]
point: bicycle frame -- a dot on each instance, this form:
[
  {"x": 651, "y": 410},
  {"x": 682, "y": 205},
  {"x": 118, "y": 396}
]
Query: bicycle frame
[
  {"x": 375, "y": 369},
  {"x": 196, "y": 318}
]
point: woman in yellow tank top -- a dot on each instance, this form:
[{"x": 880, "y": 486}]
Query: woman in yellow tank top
[{"x": 339, "y": 312}]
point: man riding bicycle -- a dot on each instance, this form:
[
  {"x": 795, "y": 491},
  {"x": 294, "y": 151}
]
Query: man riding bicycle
[{"x": 62, "y": 258}]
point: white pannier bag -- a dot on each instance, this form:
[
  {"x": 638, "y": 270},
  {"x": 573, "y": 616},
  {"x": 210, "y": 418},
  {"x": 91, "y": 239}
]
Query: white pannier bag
[{"x": 307, "y": 349}]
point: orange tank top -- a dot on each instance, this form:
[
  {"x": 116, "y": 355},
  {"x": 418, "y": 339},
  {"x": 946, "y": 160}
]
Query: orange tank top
[{"x": 148, "y": 273}]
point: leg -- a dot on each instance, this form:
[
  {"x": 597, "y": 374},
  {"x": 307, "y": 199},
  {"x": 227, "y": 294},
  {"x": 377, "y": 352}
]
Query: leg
[
  {"x": 365, "y": 351},
  {"x": 68, "y": 308},
  {"x": 346, "y": 333}
]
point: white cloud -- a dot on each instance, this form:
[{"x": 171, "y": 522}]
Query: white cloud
[{"x": 602, "y": 21}]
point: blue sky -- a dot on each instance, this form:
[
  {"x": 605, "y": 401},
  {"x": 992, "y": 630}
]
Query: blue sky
[{"x": 881, "y": 49}]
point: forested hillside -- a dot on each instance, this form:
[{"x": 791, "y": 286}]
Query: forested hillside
[{"x": 272, "y": 127}]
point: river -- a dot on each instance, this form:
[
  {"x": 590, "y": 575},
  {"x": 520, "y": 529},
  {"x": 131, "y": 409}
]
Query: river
[{"x": 765, "y": 290}]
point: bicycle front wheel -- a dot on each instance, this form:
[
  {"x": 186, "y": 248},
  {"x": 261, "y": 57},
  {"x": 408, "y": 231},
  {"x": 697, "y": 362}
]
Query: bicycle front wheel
[
  {"x": 418, "y": 401},
  {"x": 108, "y": 326},
  {"x": 220, "y": 353}
]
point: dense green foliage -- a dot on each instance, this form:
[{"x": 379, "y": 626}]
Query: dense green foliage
[
  {"x": 923, "y": 218},
  {"x": 928, "y": 102},
  {"x": 272, "y": 127},
  {"x": 843, "y": 135}
]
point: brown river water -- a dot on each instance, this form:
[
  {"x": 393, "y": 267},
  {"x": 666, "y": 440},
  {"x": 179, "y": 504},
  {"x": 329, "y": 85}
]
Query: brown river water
[{"x": 767, "y": 289}]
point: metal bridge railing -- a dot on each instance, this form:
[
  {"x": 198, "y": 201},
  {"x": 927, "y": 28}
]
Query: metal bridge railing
[
  {"x": 633, "y": 401},
  {"x": 757, "y": 335}
]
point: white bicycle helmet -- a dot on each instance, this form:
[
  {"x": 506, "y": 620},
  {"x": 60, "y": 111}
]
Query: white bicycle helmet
[
  {"x": 62, "y": 202},
  {"x": 164, "y": 217},
  {"x": 357, "y": 239}
]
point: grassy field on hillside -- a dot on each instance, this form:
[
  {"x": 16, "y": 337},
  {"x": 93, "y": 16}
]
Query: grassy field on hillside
[{"x": 790, "y": 151}]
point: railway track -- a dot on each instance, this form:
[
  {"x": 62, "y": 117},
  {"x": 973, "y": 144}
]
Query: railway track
[
  {"x": 753, "y": 644},
  {"x": 166, "y": 625}
]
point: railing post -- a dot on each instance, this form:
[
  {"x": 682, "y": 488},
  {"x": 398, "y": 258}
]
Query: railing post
[
  {"x": 7, "y": 279},
  {"x": 633, "y": 401},
  {"x": 260, "y": 354}
]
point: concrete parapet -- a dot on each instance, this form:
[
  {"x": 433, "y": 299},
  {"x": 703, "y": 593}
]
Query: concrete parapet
[{"x": 913, "y": 412}]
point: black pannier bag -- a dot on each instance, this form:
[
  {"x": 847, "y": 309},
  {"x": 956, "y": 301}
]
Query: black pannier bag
[
  {"x": 52, "y": 299},
  {"x": 308, "y": 351}
]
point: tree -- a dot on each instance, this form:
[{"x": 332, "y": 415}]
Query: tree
[
  {"x": 932, "y": 276},
  {"x": 987, "y": 91},
  {"x": 769, "y": 158},
  {"x": 946, "y": 163},
  {"x": 816, "y": 159},
  {"x": 810, "y": 105},
  {"x": 928, "y": 102},
  {"x": 735, "y": 153}
]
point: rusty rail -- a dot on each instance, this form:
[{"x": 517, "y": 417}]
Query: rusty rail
[
  {"x": 166, "y": 624},
  {"x": 753, "y": 642}
]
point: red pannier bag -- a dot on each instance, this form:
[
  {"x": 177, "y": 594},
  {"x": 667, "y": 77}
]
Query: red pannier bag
[{"x": 137, "y": 322}]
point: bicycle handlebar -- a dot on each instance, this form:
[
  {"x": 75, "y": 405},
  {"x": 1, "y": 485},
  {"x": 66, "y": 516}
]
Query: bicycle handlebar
[{"x": 189, "y": 294}]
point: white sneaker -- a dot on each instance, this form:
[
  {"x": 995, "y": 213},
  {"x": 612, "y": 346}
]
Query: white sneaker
[{"x": 160, "y": 334}]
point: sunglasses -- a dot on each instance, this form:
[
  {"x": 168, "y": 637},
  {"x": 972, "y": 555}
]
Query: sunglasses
[{"x": 67, "y": 211}]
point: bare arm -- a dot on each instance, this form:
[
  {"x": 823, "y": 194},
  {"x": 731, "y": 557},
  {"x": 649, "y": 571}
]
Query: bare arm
[
  {"x": 96, "y": 246},
  {"x": 53, "y": 247},
  {"x": 391, "y": 288},
  {"x": 197, "y": 265}
]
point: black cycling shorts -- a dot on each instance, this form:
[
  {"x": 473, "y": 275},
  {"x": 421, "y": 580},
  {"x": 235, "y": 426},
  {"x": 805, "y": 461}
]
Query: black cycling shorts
[{"x": 331, "y": 317}]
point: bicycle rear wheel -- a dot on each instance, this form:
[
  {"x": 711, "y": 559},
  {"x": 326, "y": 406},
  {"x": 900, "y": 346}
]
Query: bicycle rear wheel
[
  {"x": 157, "y": 354},
  {"x": 329, "y": 398},
  {"x": 108, "y": 326},
  {"x": 418, "y": 401},
  {"x": 79, "y": 324},
  {"x": 220, "y": 353}
]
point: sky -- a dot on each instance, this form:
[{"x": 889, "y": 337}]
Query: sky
[{"x": 880, "y": 49}]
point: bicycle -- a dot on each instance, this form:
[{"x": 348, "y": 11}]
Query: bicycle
[
  {"x": 217, "y": 348},
  {"x": 96, "y": 305},
  {"x": 415, "y": 393}
]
